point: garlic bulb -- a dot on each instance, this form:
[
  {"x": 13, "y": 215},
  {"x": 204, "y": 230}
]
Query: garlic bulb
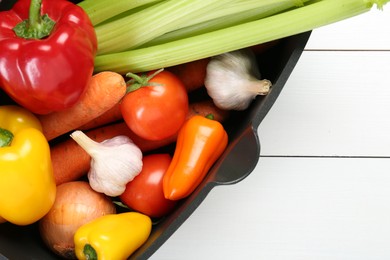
[
  {"x": 114, "y": 162},
  {"x": 232, "y": 80}
]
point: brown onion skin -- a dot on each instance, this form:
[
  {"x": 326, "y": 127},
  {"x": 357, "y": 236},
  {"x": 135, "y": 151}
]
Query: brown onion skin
[{"x": 76, "y": 204}]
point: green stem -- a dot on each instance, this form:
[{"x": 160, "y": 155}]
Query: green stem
[
  {"x": 295, "y": 21},
  {"x": 5, "y": 137},
  {"x": 37, "y": 26},
  {"x": 35, "y": 13},
  {"x": 137, "y": 81},
  {"x": 210, "y": 116},
  {"x": 90, "y": 252}
]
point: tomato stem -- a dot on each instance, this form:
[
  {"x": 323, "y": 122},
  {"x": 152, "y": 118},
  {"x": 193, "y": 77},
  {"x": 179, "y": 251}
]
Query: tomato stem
[{"x": 138, "y": 81}]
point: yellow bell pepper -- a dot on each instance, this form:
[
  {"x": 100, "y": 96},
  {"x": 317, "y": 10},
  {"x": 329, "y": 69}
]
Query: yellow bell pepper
[
  {"x": 27, "y": 185},
  {"x": 112, "y": 236}
]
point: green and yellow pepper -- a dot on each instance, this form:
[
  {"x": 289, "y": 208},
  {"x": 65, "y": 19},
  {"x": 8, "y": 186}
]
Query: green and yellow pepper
[
  {"x": 112, "y": 236},
  {"x": 27, "y": 185},
  {"x": 200, "y": 142}
]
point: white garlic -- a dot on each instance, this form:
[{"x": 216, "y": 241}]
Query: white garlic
[
  {"x": 114, "y": 162},
  {"x": 232, "y": 80}
]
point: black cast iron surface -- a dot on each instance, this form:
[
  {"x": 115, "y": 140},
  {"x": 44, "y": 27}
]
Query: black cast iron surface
[{"x": 237, "y": 162}]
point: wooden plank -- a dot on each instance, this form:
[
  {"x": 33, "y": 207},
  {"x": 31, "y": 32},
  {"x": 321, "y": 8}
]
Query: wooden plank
[
  {"x": 368, "y": 31},
  {"x": 293, "y": 208},
  {"x": 334, "y": 104}
]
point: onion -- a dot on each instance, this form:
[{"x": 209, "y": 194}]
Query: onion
[{"x": 76, "y": 204}]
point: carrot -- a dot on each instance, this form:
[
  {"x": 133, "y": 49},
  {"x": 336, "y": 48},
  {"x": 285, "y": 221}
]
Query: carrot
[
  {"x": 192, "y": 74},
  {"x": 104, "y": 91},
  {"x": 71, "y": 162},
  {"x": 110, "y": 116}
]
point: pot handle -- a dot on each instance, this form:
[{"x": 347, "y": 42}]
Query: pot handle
[{"x": 240, "y": 159}]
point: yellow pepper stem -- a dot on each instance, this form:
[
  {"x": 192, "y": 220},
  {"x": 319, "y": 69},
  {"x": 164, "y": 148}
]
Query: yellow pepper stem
[
  {"x": 90, "y": 252},
  {"x": 5, "y": 137}
]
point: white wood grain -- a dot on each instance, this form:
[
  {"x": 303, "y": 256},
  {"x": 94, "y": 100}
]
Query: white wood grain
[
  {"x": 334, "y": 104},
  {"x": 293, "y": 209},
  {"x": 368, "y": 31}
]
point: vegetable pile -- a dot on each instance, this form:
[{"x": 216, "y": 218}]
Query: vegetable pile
[{"x": 116, "y": 111}]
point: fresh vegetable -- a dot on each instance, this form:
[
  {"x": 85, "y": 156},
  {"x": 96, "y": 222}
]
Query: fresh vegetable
[
  {"x": 76, "y": 204},
  {"x": 156, "y": 105},
  {"x": 70, "y": 161},
  {"x": 192, "y": 74},
  {"x": 302, "y": 18},
  {"x": 145, "y": 193},
  {"x": 27, "y": 187},
  {"x": 233, "y": 80},
  {"x": 99, "y": 11},
  {"x": 135, "y": 29},
  {"x": 114, "y": 162},
  {"x": 207, "y": 107},
  {"x": 112, "y": 237},
  {"x": 105, "y": 90},
  {"x": 112, "y": 115},
  {"x": 230, "y": 14},
  {"x": 200, "y": 142},
  {"x": 47, "y": 59}
]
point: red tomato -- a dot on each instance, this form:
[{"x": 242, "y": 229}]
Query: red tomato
[
  {"x": 158, "y": 108},
  {"x": 145, "y": 192}
]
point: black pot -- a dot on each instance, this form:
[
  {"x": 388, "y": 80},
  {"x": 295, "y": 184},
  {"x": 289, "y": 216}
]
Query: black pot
[{"x": 237, "y": 162}]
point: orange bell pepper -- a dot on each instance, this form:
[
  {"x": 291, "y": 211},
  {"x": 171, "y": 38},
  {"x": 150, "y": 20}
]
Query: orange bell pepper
[{"x": 200, "y": 142}]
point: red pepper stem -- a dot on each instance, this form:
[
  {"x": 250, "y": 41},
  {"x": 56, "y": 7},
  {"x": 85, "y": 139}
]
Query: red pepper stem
[
  {"x": 5, "y": 137},
  {"x": 37, "y": 26},
  {"x": 34, "y": 13}
]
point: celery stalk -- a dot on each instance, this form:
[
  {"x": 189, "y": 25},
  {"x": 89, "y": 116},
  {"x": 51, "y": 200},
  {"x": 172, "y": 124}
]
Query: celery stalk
[
  {"x": 238, "y": 6},
  {"x": 99, "y": 11},
  {"x": 241, "y": 12},
  {"x": 140, "y": 27},
  {"x": 281, "y": 25}
]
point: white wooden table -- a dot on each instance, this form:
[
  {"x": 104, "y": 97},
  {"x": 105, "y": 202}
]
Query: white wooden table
[{"x": 321, "y": 189}]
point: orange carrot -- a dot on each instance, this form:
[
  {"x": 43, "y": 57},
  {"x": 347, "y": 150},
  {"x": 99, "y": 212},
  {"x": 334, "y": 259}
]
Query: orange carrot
[
  {"x": 104, "y": 91},
  {"x": 71, "y": 162},
  {"x": 192, "y": 74},
  {"x": 110, "y": 116}
]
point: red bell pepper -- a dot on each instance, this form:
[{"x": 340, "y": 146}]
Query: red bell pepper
[{"x": 47, "y": 52}]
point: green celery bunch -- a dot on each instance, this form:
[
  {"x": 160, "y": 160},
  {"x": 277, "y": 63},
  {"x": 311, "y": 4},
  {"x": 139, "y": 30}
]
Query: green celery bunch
[{"x": 170, "y": 32}]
